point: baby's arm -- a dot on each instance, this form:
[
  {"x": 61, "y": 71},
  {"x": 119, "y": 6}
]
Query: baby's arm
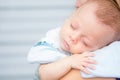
[{"x": 56, "y": 70}]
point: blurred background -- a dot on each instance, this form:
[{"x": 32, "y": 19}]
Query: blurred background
[{"x": 22, "y": 24}]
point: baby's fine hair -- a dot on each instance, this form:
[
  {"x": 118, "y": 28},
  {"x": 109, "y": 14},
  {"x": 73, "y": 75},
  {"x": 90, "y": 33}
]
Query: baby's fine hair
[{"x": 108, "y": 12}]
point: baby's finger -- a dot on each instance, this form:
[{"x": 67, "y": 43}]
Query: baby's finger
[
  {"x": 90, "y": 66},
  {"x": 87, "y": 65},
  {"x": 92, "y": 61},
  {"x": 88, "y": 54},
  {"x": 83, "y": 69}
]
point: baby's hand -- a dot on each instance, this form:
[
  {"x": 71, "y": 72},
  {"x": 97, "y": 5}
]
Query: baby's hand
[{"x": 81, "y": 61}]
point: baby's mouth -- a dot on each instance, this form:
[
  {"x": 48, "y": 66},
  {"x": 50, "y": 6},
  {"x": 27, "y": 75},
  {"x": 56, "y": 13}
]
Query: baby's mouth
[{"x": 66, "y": 45}]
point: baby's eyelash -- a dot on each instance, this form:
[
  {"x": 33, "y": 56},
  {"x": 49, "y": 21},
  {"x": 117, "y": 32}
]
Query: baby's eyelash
[
  {"x": 71, "y": 26},
  {"x": 84, "y": 43}
]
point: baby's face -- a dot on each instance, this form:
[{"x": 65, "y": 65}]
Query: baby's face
[{"x": 83, "y": 32}]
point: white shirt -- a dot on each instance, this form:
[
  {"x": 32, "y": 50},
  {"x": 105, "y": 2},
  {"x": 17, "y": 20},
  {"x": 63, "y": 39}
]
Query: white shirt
[{"x": 47, "y": 49}]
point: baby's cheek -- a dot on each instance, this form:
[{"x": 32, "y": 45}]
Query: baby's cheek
[{"x": 77, "y": 50}]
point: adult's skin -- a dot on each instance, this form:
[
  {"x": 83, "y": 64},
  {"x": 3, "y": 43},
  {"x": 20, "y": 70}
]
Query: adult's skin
[{"x": 75, "y": 74}]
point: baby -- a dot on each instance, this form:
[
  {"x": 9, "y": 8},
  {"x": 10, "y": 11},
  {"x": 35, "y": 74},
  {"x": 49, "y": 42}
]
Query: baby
[{"x": 91, "y": 27}]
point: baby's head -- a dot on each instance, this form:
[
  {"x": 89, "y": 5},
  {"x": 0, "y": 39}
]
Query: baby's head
[{"x": 94, "y": 25}]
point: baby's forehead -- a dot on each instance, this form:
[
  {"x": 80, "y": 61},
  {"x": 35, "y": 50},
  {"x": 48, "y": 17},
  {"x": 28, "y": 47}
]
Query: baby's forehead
[
  {"x": 89, "y": 7},
  {"x": 87, "y": 10},
  {"x": 93, "y": 6}
]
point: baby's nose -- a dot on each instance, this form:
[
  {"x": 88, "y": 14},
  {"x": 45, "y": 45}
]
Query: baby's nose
[{"x": 75, "y": 38}]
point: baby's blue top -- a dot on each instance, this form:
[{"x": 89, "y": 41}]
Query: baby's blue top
[{"x": 48, "y": 50}]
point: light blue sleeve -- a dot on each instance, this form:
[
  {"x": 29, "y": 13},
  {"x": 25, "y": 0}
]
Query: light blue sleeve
[
  {"x": 108, "y": 59},
  {"x": 44, "y": 52}
]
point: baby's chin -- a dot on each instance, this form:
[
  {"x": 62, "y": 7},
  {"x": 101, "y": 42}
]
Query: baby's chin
[{"x": 64, "y": 49}]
